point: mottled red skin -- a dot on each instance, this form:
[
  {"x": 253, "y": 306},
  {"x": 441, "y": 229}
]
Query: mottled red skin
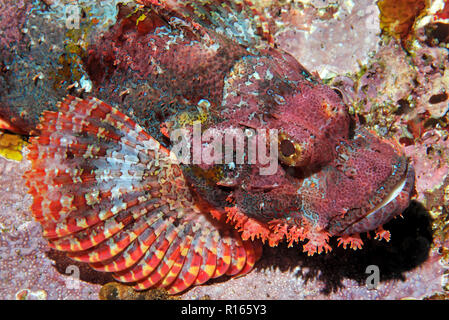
[
  {"x": 344, "y": 170},
  {"x": 347, "y": 171}
]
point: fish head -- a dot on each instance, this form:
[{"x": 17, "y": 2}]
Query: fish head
[
  {"x": 369, "y": 182},
  {"x": 350, "y": 179},
  {"x": 330, "y": 171}
]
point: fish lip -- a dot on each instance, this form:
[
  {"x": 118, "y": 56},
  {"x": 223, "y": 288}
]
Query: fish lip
[{"x": 404, "y": 185}]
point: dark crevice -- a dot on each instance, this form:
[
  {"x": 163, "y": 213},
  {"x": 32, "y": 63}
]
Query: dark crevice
[
  {"x": 409, "y": 247},
  {"x": 438, "y": 98}
]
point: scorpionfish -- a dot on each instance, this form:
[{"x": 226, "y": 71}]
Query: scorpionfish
[{"x": 110, "y": 191}]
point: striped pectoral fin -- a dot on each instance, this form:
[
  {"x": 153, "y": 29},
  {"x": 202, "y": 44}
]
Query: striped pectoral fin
[
  {"x": 110, "y": 195},
  {"x": 150, "y": 261},
  {"x": 135, "y": 251},
  {"x": 99, "y": 182},
  {"x": 89, "y": 164},
  {"x": 224, "y": 257},
  {"x": 252, "y": 250},
  {"x": 191, "y": 267},
  {"x": 178, "y": 263},
  {"x": 209, "y": 265},
  {"x": 163, "y": 258},
  {"x": 238, "y": 255}
]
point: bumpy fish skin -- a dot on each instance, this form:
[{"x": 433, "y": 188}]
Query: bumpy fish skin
[{"x": 107, "y": 191}]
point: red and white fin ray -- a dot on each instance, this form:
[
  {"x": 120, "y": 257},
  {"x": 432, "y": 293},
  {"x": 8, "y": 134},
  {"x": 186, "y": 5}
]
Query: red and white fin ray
[
  {"x": 152, "y": 258},
  {"x": 251, "y": 256},
  {"x": 133, "y": 253},
  {"x": 178, "y": 241},
  {"x": 238, "y": 255},
  {"x": 224, "y": 257},
  {"x": 191, "y": 267},
  {"x": 178, "y": 264},
  {"x": 209, "y": 265},
  {"x": 120, "y": 243}
]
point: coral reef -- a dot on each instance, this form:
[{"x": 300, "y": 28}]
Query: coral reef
[
  {"x": 389, "y": 64},
  {"x": 345, "y": 33}
]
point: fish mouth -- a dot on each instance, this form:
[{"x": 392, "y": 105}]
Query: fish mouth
[
  {"x": 394, "y": 193},
  {"x": 393, "y": 204}
]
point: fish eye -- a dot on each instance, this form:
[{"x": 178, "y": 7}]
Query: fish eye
[{"x": 291, "y": 153}]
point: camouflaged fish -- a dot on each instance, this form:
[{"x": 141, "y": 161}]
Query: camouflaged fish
[{"x": 110, "y": 194}]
